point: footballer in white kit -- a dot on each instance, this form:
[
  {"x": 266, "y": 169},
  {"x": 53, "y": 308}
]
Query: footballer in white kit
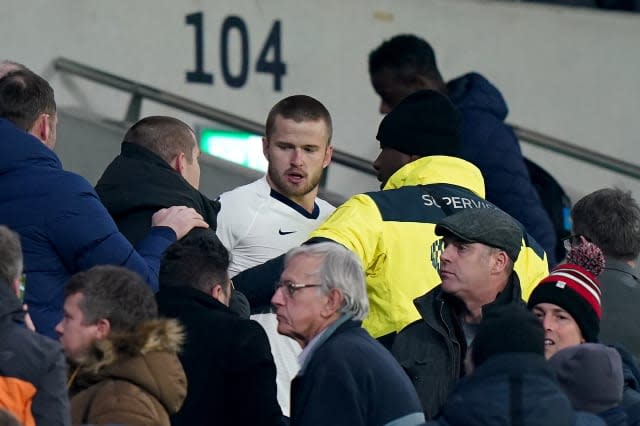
[{"x": 264, "y": 219}]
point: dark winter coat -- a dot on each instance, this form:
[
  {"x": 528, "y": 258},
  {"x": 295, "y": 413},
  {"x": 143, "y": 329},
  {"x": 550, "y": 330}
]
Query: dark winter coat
[
  {"x": 63, "y": 226},
  {"x": 511, "y": 389},
  {"x": 631, "y": 391},
  {"x": 350, "y": 379},
  {"x": 493, "y": 147},
  {"x": 34, "y": 364},
  {"x": 615, "y": 416},
  {"x": 138, "y": 183},
  {"x": 230, "y": 370}
]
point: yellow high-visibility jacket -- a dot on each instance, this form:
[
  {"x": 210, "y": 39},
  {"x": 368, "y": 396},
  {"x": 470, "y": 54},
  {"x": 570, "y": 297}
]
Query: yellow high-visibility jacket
[{"x": 393, "y": 233}]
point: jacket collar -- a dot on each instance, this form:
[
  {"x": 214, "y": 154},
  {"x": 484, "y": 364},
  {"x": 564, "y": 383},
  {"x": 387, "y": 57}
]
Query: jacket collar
[
  {"x": 184, "y": 292},
  {"x": 131, "y": 150},
  {"x": 158, "y": 335},
  {"x": 20, "y": 149},
  {"x": 620, "y": 266},
  {"x": 326, "y": 334},
  {"x": 439, "y": 169}
]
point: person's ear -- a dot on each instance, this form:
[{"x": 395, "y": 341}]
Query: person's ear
[
  {"x": 16, "y": 286},
  {"x": 327, "y": 156},
  {"x": 218, "y": 293},
  {"x": 41, "y": 128},
  {"x": 265, "y": 147},
  {"x": 334, "y": 302},
  {"x": 216, "y": 290},
  {"x": 500, "y": 262},
  {"x": 103, "y": 328},
  {"x": 179, "y": 163}
]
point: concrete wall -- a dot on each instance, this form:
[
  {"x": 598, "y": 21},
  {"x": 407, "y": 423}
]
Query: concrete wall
[{"x": 570, "y": 73}]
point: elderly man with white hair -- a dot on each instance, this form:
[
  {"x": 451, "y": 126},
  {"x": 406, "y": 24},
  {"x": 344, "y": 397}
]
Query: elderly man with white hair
[{"x": 346, "y": 377}]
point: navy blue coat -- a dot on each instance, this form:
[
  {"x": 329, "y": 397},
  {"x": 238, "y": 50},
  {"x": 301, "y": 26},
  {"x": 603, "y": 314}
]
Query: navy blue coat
[
  {"x": 492, "y": 146},
  {"x": 515, "y": 389},
  {"x": 352, "y": 380},
  {"x": 63, "y": 226}
]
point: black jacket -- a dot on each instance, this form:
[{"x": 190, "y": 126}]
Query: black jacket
[
  {"x": 432, "y": 349},
  {"x": 31, "y": 360},
  {"x": 511, "y": 389},
  {"x": 230, "y": 371},
  {"x": 138, "y": 183}
]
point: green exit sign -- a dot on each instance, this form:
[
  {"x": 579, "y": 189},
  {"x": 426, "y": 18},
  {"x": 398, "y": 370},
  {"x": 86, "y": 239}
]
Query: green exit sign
[{"x": 238, "y": 147}]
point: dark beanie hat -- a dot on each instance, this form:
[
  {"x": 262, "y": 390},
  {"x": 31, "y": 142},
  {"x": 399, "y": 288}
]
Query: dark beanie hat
[
  {"x": 424, "y": 123},
  {"x": 507, "y": 329},
  {"x": 575, "y": 290},
  {"x": 591, "y": 376}
]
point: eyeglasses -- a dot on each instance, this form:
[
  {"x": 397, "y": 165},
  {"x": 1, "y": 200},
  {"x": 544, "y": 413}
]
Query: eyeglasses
[
  {"x": 292, "y": 287},
  {"x": 573, "y": 240}
]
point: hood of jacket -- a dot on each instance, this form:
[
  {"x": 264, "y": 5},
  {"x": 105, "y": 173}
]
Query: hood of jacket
[
  {"x": 139, "y": 179},
  {"x": 145, "y": 356},
  {"x": 19, "y": 149},
  {"x": 473, "y": 91},
  {"x": 438, "y": 169}
]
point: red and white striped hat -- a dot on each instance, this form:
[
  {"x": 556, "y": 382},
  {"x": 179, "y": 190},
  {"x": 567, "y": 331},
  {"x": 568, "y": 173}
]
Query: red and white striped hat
[{"x": 577, "y": 291}]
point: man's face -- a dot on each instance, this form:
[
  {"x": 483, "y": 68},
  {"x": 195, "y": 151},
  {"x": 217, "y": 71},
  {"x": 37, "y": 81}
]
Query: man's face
[
  {"x": 560, "y": 329},
  {"x": 388, "y": 162},
  {"x": 391, "y": 88},
  {"x": 300, "y": 314},
  {"x": 464, "y": 267},
  {"x": 76, "y": 337},
  {"x": 192, "y": 169},
  {"x": 297, "y": 153}
]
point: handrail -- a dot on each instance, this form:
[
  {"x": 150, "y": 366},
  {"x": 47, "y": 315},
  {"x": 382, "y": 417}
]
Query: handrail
[
  {"x": 139, "y": 91},
  {"x": 577, "y": 152}
]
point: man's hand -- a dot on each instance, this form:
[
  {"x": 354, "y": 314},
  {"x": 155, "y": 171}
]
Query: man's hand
[{"x": 181, "y": 219}]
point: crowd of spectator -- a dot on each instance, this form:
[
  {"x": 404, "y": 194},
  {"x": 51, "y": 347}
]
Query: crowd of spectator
[{"x": 436, "y": 300}]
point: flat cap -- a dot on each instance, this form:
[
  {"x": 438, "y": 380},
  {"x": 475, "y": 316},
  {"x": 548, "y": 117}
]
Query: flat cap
[{"x": 488, "y": 226}]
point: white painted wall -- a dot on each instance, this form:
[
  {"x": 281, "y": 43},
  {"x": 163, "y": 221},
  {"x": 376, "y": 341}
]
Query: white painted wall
[{"x": 571, "y": 73}]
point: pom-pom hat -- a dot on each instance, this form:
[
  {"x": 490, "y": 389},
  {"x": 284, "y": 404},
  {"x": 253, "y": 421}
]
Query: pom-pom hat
[{"x": 577, "y": 291}]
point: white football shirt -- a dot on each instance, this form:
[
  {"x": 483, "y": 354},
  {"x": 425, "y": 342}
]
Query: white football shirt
[{"x": 256, "y": 224}]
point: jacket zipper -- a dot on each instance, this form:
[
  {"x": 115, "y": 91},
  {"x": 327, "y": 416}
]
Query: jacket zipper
[{"x": 456, "y": 364}]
